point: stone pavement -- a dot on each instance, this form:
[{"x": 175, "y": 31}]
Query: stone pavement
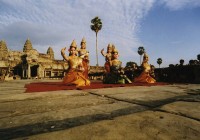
[{"x": 169, "y": 112}]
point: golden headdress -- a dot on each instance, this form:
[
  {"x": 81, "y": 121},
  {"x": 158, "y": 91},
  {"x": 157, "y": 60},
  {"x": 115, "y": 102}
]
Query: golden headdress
[
  {"x": 115, "y": 50},
  {"x": 83, "y": 40},
  {"x": 109, "y": 45},
  {"x": 113, "y": 46},
  {"x": 73, "y": 45},
  {"x": 145, "y": 55}
]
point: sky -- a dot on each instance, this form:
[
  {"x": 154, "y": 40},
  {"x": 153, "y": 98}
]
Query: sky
[{"x": 167, "y": 29}]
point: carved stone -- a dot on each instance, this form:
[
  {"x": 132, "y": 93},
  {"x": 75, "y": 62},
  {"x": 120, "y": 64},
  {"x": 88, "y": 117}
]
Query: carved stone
[{"x": 29, "y": 63}]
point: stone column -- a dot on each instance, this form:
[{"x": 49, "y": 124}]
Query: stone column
[
  {"x": 29, "y": 71},
  {"x": 23, "y": 73},
  {"x": 38, "y": 72},
  {"x": 44, "y": 73},
  {"x": 26, "y": 72}
]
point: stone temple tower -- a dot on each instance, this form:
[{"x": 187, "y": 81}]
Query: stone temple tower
[
  {"x": 3, "y": 50},
  {"x": 27, "y": 46},
  {"x": 50, "y": 52}
]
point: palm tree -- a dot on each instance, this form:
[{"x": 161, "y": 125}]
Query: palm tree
[
  {"x": 159, "y": 61},
  {"x": 141, "y": 51},
  {"x": 131, "y": 64},
  {"x": 198, "y": 58},
  {"x": 96, "y": 27},
  {"x": 171, "y": 65},
  {"x": 191, "y": 62},
  {"x": 182, "y": 62}
]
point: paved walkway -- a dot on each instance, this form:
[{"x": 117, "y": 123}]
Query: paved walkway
[{"x": 140, "y": 112}]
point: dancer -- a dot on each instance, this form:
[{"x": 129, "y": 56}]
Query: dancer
[
  {"x": 145, "y": 77},
  {"x": 116, "y": 75},
  {"x": 74, "y": 75},
  {"x": 84, "y": 54},
  {"x": 107, "y": 56}
]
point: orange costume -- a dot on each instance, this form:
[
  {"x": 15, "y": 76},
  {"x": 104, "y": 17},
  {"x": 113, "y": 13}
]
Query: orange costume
[
  {"x": 145, "y": 77},
  {"x": 75, "y": 73}
]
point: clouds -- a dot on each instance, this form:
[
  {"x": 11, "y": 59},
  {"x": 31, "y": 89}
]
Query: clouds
[
  {"x": 181, "y": 4},
  {"x": 56, "y": 23},
  {"x": 40, "y": 34}
]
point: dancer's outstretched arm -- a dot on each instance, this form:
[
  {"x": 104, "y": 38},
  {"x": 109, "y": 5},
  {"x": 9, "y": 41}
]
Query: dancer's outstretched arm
[{"x": 63, "y": 54}]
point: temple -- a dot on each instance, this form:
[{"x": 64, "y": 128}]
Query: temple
[{"x": 29, "y": 63}]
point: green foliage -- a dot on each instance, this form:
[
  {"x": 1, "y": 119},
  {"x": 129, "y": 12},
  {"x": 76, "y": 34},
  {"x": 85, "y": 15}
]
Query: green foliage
[
  {"x": 182, "y": 62},
  {"x": 96, "y": 24},
  {"x": 198, "y": 57},
  {"x": 191, "y": 62},
  {"x": 159, "y": 61},
  {"x": 171, "y": 65},
  {"x": 130, "y": 64},
  {"x": 141, "y": 50}
]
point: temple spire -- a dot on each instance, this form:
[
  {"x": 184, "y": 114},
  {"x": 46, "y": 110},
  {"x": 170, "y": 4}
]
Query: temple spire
[
  {"x": 50, "y": 52},
  {"x": 3, "y": 46},
  {"x": 27, "y": 46}
]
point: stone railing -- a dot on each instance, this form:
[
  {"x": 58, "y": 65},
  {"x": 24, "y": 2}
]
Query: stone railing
[
  {"x": 96, "y": 72},
  {"x": 179, "y": 74}
]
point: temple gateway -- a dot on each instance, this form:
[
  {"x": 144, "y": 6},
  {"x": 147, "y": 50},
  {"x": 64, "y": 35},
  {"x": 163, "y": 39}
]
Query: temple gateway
[{"x": 29, "y": 63}]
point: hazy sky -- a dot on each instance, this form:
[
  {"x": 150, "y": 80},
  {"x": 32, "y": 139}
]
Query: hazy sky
[{"x": 169, "y": 29}]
